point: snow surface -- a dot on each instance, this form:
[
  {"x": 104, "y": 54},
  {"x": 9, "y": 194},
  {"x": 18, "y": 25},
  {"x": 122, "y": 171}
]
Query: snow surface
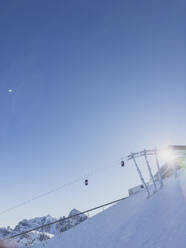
[
  {"x": 41, "y": 235},
  {"x": 159, "y": 222}
]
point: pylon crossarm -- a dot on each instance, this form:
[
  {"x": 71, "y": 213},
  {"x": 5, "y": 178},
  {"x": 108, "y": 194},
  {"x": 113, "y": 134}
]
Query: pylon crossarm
[{"x": 142, "y": 153}]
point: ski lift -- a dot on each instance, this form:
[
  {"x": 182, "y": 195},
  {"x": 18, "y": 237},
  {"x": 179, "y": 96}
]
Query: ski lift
[
  {"x": 86, "y": 182},
  {"x": 122, "y": 163}
]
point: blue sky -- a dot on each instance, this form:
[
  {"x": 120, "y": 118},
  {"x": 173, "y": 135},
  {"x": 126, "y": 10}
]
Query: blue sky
[{"x": 92, "y": 81}]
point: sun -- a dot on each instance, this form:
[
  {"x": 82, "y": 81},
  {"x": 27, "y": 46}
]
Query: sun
[{"x": 167, "y": 155}]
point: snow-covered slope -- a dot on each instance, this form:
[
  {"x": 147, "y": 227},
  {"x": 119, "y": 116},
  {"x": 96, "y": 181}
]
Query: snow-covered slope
[
  {"x": 36, "y": 237},
  {"x": 159, "y": 222}
]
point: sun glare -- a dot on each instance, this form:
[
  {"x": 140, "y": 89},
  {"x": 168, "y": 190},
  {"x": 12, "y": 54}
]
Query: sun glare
[{"x": 167, "y": 155}]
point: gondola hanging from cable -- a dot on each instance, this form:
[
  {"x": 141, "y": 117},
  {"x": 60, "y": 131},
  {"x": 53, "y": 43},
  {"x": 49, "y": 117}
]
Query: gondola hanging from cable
[
  {"x": 86, "y": 182},
  {"x": 122, "y": 163}
]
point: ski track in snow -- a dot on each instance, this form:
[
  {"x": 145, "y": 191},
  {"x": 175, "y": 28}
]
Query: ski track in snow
[{"x": 159, "y": 222}]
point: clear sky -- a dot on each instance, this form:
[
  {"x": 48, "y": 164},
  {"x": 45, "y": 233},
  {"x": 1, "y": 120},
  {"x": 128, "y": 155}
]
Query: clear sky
[{"x": 92, "y": 81}]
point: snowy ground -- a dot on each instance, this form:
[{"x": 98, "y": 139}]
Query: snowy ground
[{"x": 159, "y": 222}]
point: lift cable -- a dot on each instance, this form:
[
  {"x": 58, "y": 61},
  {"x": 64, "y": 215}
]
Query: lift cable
[
  {"x": 66, "y": 218},
  {"x": 40, "y": 196},
  {"x": 90, "y": 174}
]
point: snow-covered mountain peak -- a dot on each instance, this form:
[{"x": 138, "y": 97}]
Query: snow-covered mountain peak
[{"x": 42, "y": 234}]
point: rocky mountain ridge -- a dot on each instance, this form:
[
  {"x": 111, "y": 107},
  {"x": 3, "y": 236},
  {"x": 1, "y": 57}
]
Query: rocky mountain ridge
[{"x": 41, "y": 235}]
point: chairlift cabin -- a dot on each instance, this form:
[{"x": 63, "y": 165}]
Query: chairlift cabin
[
  {"x": 86, "y": 182},
  {"x": 122, "y": 163}
]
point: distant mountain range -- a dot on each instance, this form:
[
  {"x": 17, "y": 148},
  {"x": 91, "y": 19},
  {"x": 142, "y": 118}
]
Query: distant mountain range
[{"x": 48, "y": 232}]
